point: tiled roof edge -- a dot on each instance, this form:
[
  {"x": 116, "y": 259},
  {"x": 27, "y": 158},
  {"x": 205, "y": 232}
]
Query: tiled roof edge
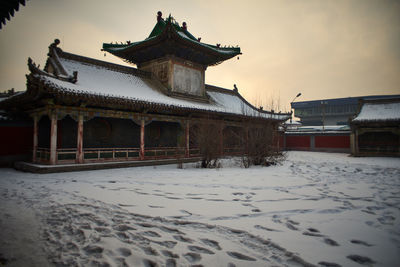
[{"x": 105, "y": 64}]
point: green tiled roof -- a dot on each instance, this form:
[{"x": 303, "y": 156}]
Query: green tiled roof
[{"x": 126, "y": 50}]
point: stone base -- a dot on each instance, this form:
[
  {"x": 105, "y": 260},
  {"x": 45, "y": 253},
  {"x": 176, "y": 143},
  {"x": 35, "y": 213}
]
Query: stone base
[{"x": 40, "y": 168}]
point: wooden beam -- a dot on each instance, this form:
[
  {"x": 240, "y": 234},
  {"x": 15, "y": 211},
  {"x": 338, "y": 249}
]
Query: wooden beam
[
  {"x": 187, "y": 134},
  {"x": 221, "y": 139},
  {"x": 141, "y": 153},
  {"x": 247, "y": 139},
  {"x": 356, "y": 148},
  {"x": 79, "y": 142},
  {"x": 35, "y": 137},
  {"x": 53, "y": 139}
]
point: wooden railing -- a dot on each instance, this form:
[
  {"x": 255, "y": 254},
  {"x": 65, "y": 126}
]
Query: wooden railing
[
  {"x": 43, "y": 154},
  {"x": 379, "y": 148},
  {"x": 110, "y": 154},
  {"x": 65, "y": 155},
  {"x": 194, "y": 152},
  {"x": 164, "y": 152},
  {"x": 68, "y": 155},
  {"x": 231, "y": 151}
]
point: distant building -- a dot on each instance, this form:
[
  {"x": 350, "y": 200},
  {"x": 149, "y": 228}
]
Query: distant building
[
  {"x": 317, "y": 138},
  {"x": 336, "y": 111},
  {"x": 376, "y": 128}
]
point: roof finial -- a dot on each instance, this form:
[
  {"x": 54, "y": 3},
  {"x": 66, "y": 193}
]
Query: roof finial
[
  {"x": 159, "y": 16},
  {"x": 53, "y": 46},
  {"x": 184, "y": 26}
]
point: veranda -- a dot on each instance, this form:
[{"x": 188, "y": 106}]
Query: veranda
[{"x": 81, "y": 135}]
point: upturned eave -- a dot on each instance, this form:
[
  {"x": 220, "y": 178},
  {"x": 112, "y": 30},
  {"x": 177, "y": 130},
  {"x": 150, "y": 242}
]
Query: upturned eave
[{"x": 171, "y": 41}]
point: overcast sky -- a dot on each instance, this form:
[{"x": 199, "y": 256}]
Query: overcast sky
[{"x": 323, "y": 49}]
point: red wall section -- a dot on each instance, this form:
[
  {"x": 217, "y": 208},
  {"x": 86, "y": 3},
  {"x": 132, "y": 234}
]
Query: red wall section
[
  {"x": 298, "y": 141},
  {"x": 15, "y": 140},
  {"x": 336, "y": 141}
]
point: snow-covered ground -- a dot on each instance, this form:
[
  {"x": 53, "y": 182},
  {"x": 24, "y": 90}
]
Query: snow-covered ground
[{"x": 316, "y": 209}]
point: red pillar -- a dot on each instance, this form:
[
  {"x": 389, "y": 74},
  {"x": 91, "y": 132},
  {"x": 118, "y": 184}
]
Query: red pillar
[
  {"x": 53, "y": 139},
  {"x": 141, "y": 153},
  {"x": 247, "y": 140},
  {"x": 356, "y": 143},
  {"x": 187, "y": 131},
  {"x": 221, "y": 139},
  {"x": 35, "y": 137},
  {"x": 79, "y": 142}
]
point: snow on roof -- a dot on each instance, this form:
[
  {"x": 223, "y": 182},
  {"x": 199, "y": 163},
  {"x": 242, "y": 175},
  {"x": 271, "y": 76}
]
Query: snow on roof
[
  {"x": 2, "y": 98},
  {"x": 379, "y": 112},
  {"x": 3, "y": 115},
  {"x": 98, "y": 80},
  {"x": 318, "y": 129}
]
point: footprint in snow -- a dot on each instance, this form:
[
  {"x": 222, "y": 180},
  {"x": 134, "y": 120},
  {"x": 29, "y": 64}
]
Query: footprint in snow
[
  {"x": 291, "y": 226},
  {"x": 151, "y": 234},
  {"x": 330, "y": 242},
  {"x": 200, "y": 250},
  {"x": 169, "y": 254},
  {"x": 212, "y": 243},
  {"x": 360, "y": 242},
  {"x": 192, "y": 257},
  {"x": 147, "y": 263},
  {"x": 265, "y": 228},
  {"x": 93, "y": 249},
  {"x": 361, "y": 259},
  {"x": 183, "y": 239},
  {"x": 150, "y": 251},
  {"x": 240, "y": 256},
  {"x": 170, "y": 263},
  {"x": 124, "y": 252},
  {"x": 329, "y": 264}
]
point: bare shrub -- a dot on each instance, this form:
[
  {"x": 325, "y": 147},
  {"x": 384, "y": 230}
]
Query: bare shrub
[
  {"x": 262, "y": 147},
  {"x": 207, "y": 136}
]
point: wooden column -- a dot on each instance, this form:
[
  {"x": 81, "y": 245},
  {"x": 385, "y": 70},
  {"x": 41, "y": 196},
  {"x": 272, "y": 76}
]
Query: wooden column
[
  {"x": 284, "y": 141},
  {"x": 35, "y": 137},
  {"x": 356, "y": 148},
  {"x": 247, "y": 140},
  {"x": 187, "y": 132},
  {"x": 53, "y": 139},
  {"x": 221, "y": 139},
  {"x": 79, "y": 142},
  {"x": 141, "y": 152}
]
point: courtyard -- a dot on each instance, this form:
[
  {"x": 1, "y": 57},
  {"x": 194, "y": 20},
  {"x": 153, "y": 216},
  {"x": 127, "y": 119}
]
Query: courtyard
[{"x": 315, "y": 209}]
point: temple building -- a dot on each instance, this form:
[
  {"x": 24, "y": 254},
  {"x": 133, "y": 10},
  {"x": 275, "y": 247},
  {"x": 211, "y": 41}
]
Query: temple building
[
  {"x": 376, "y": 128},
  {"x": 330, "y": 112},
  {"x": 86, "y": 110}
]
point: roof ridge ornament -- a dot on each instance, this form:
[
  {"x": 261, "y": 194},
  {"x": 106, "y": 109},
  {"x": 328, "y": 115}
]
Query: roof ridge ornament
[
  {"x": 57, "y": 69},
  {"x": 35, "y": 69},
  {"x": 159, "y": 16},
  {"x": 54, "y": 47}
]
